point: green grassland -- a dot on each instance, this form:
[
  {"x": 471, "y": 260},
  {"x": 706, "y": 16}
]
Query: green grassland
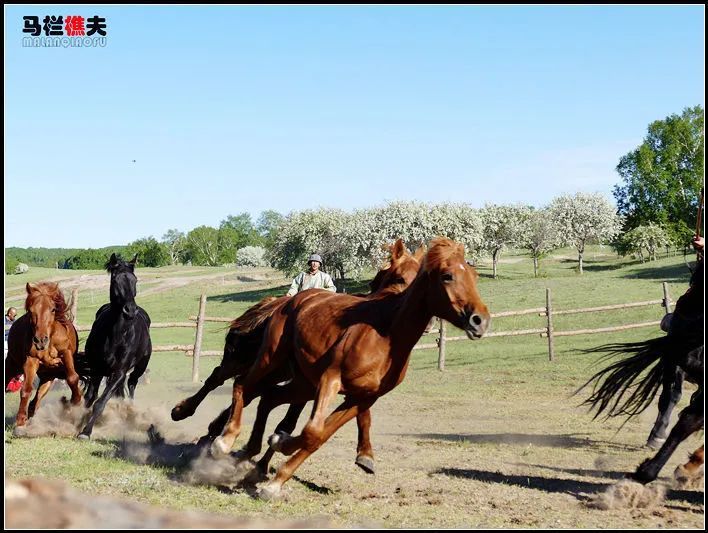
[{"x": 497, "y": 440}]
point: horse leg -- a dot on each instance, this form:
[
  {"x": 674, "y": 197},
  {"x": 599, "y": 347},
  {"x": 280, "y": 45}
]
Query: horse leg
[
  {"x": 244, "y": 391},
  {"x": 690, "y": 420},
  {"x": 138, "y": 371},
  {"x": 691, "y": 470},
  {"x": 72, "y": 378},
  {"x": 670, "y": 396},
  {"x": 30, "y": 370},
  {"x": 286, "y": 425},
  {"x": 314, "y": 435},
  {"x": 364, "y": 452},
  {"x": 94, "y": 382},
  {"x": 44, "y": 386},
  {"x": 188, "y": 406},
  {"x": 111, "y": 386}
]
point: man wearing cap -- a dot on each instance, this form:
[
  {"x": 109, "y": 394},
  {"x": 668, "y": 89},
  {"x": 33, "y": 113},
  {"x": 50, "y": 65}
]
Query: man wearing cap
[{"x": 314, "y": 278}]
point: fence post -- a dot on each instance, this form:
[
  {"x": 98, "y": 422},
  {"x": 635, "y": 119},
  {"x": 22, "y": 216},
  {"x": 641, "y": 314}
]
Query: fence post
[
  {"x": 667, "y": 299},
  {"x": 198, "y": 339},
  {"x": 74, "y": 305},
  {"x": 441, "y": 346},
  {"x": 549, "y": 324}
]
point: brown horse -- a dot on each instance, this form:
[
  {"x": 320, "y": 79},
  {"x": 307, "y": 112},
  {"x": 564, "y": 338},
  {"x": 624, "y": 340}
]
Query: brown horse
[
  {"x": 242, "y": 343},
  {"x": 360, "y": 349},
  {"x": 692, "y": 470},
  {"x": 42, "y": 342}
]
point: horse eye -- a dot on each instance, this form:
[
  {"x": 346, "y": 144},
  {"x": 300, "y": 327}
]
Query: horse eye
[
  {"x": 447, "y": 277},
  {"x": 400, "y": 280},
  {"x": 54, "y": 310}
]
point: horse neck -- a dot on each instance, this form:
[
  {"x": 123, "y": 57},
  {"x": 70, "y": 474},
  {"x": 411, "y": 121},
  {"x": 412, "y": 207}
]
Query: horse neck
[{"x": 412, "y": 317}]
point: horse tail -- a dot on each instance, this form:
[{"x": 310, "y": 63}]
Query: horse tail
[
  {"x": 620, "y": 388},
  {"x": 254, "y": 317}
]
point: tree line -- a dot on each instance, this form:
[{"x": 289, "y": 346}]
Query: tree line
[{"x": 656, "y": 208}]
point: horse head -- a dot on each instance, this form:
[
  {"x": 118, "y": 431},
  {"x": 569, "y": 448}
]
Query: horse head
[
  {"x": 402, "y": 268},
  {"x": 123, "y": 285},
  {"x": 452, "y": 288},
  {"x": 45, "y": 304}
]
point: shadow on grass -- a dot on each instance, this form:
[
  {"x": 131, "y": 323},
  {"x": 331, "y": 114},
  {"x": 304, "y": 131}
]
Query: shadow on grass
[
  {"x": 555, "y": 441},
  {"x": 580, "y": 489},
  {"x": 606, "y": 474},
  {"x": 250, "y": 296},
  {"x": 675, "y": 273}
]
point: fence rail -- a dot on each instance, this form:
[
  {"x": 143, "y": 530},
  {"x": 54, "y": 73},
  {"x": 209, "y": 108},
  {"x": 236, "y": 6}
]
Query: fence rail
[{"x": 197, "y": 322}]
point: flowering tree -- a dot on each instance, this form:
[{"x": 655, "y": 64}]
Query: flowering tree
[
  {"x": 540, "y": 235},
  {"x": 649, "y": 237},
  {"x": 584, "y": 217},
  {"x": 251, "y": 256},
  {"x": 503, "y": 226}
]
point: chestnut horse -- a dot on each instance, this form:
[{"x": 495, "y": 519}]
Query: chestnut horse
[
  {"x": 42, "y": 342},
  {"x": 361, "y": 349},
  {"x": 242, "y": 343}
]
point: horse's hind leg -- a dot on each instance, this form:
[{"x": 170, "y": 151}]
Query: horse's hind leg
[
  {"x": 94, "y": 382},
  {"x": 218, "y": 376},
  {"x": 111, "y": 385},
  {"x": 364, "y": 452},
  {"x": 44, "y": 386},
  {"x": 670, "y": 396},
  {"x": 690, "y": 420},
  {"x": 685, "y": 474}
]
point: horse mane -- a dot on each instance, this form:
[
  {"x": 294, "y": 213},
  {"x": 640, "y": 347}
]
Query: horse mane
[
  {"x": 62, "y": 313},
  {"x": 441, "y": 249},
  {"x": 253, "y": 317}
]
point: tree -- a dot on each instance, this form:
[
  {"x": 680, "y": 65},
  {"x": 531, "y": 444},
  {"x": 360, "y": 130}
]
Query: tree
[
  {"x": 662, "y": 178},
  {"x": 649, "y": 237},
  {"x": 150, "y": 252},
  {"x": 584, "y": 217},
  {"x": 267, "y": 225},
  {"x": 175, "y": 241},
  {"x": 236, "y": 232},
  {"x": 251, "y": 256},
  {"x": 202, "y": 246},
  {"x": 502, "y": 227},
  {"x": 540, "y": 235}
]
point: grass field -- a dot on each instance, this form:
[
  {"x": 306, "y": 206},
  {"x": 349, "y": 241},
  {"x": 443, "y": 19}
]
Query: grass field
[{"x": 497, "y": 440}]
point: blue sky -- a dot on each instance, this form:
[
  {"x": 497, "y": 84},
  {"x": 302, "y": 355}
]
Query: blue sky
[{"x": 233, "y": 109}]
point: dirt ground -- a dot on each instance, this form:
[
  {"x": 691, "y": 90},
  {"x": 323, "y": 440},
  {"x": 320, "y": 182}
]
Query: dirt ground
[{"x": 467, "y": 459}]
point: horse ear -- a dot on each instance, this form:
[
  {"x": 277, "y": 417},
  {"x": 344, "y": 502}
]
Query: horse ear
[
  {"x": 30, "y": 287},
  {"x": 420, "y": 252},
  {"x": 398, "y": 251},
  {"x": 113, "y": 261},
  {"x": 133, "y": 260}
]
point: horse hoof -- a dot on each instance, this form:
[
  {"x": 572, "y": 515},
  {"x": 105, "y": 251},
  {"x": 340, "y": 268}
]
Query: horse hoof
[
  {"x": 19, "y": 431},
  {"x": 268, "y": 491},
  {"x": 83, "y": 436},
  {"x": 179, "y": 413},
  {"x": 219, "y": 448},
  {"x": 277, "y": 440},
  {"x": 256, "y": 475},
  {"x": 686, "y": 478},
  {"x": 365, "y": 463}
]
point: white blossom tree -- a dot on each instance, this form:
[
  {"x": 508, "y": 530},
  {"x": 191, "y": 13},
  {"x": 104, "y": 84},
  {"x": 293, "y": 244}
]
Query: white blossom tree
[
  {"x": 503, "y": 226},
  {"x": 582, "y": 217},
  {"x": 539, "y": 235},
  {"x": 649, "y": 237}
]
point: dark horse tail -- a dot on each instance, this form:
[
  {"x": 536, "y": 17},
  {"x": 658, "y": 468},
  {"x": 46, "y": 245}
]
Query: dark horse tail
[{"x": 620, "y": 389}]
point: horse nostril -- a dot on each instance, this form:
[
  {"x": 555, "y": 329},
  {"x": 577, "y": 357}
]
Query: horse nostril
[
  {"x": 35, "y": 340},
  {"x": 476, "y": 320}
]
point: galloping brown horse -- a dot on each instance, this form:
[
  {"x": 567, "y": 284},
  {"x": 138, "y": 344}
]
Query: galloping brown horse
[
  {"x": 360, "y": 349},
  {"x": 242, "y": 344},
  {"x": 42, "y": 342}
]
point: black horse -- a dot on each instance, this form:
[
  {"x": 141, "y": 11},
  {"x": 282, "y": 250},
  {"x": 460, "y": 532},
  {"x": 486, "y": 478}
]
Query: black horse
[
  {"x": 119, "y": 341},
  {"x": 620, "y": 390}
]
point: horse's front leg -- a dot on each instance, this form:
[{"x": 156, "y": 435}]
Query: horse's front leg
[
  {"x": 111, "y": 386},
  {"x": 690, "y": 420},
  {"x": 188, "y": 406},
  {"x": 316, "y": 433},
  {"x": 30, "y": 370},
  {"x": 72, "y": 378},
  {"x": 42, "y": 390},
  {"x": 364, "y": 451}
]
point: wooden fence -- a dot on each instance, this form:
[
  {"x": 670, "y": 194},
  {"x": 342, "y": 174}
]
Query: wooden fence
[{"x": 197, "y": 322}]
